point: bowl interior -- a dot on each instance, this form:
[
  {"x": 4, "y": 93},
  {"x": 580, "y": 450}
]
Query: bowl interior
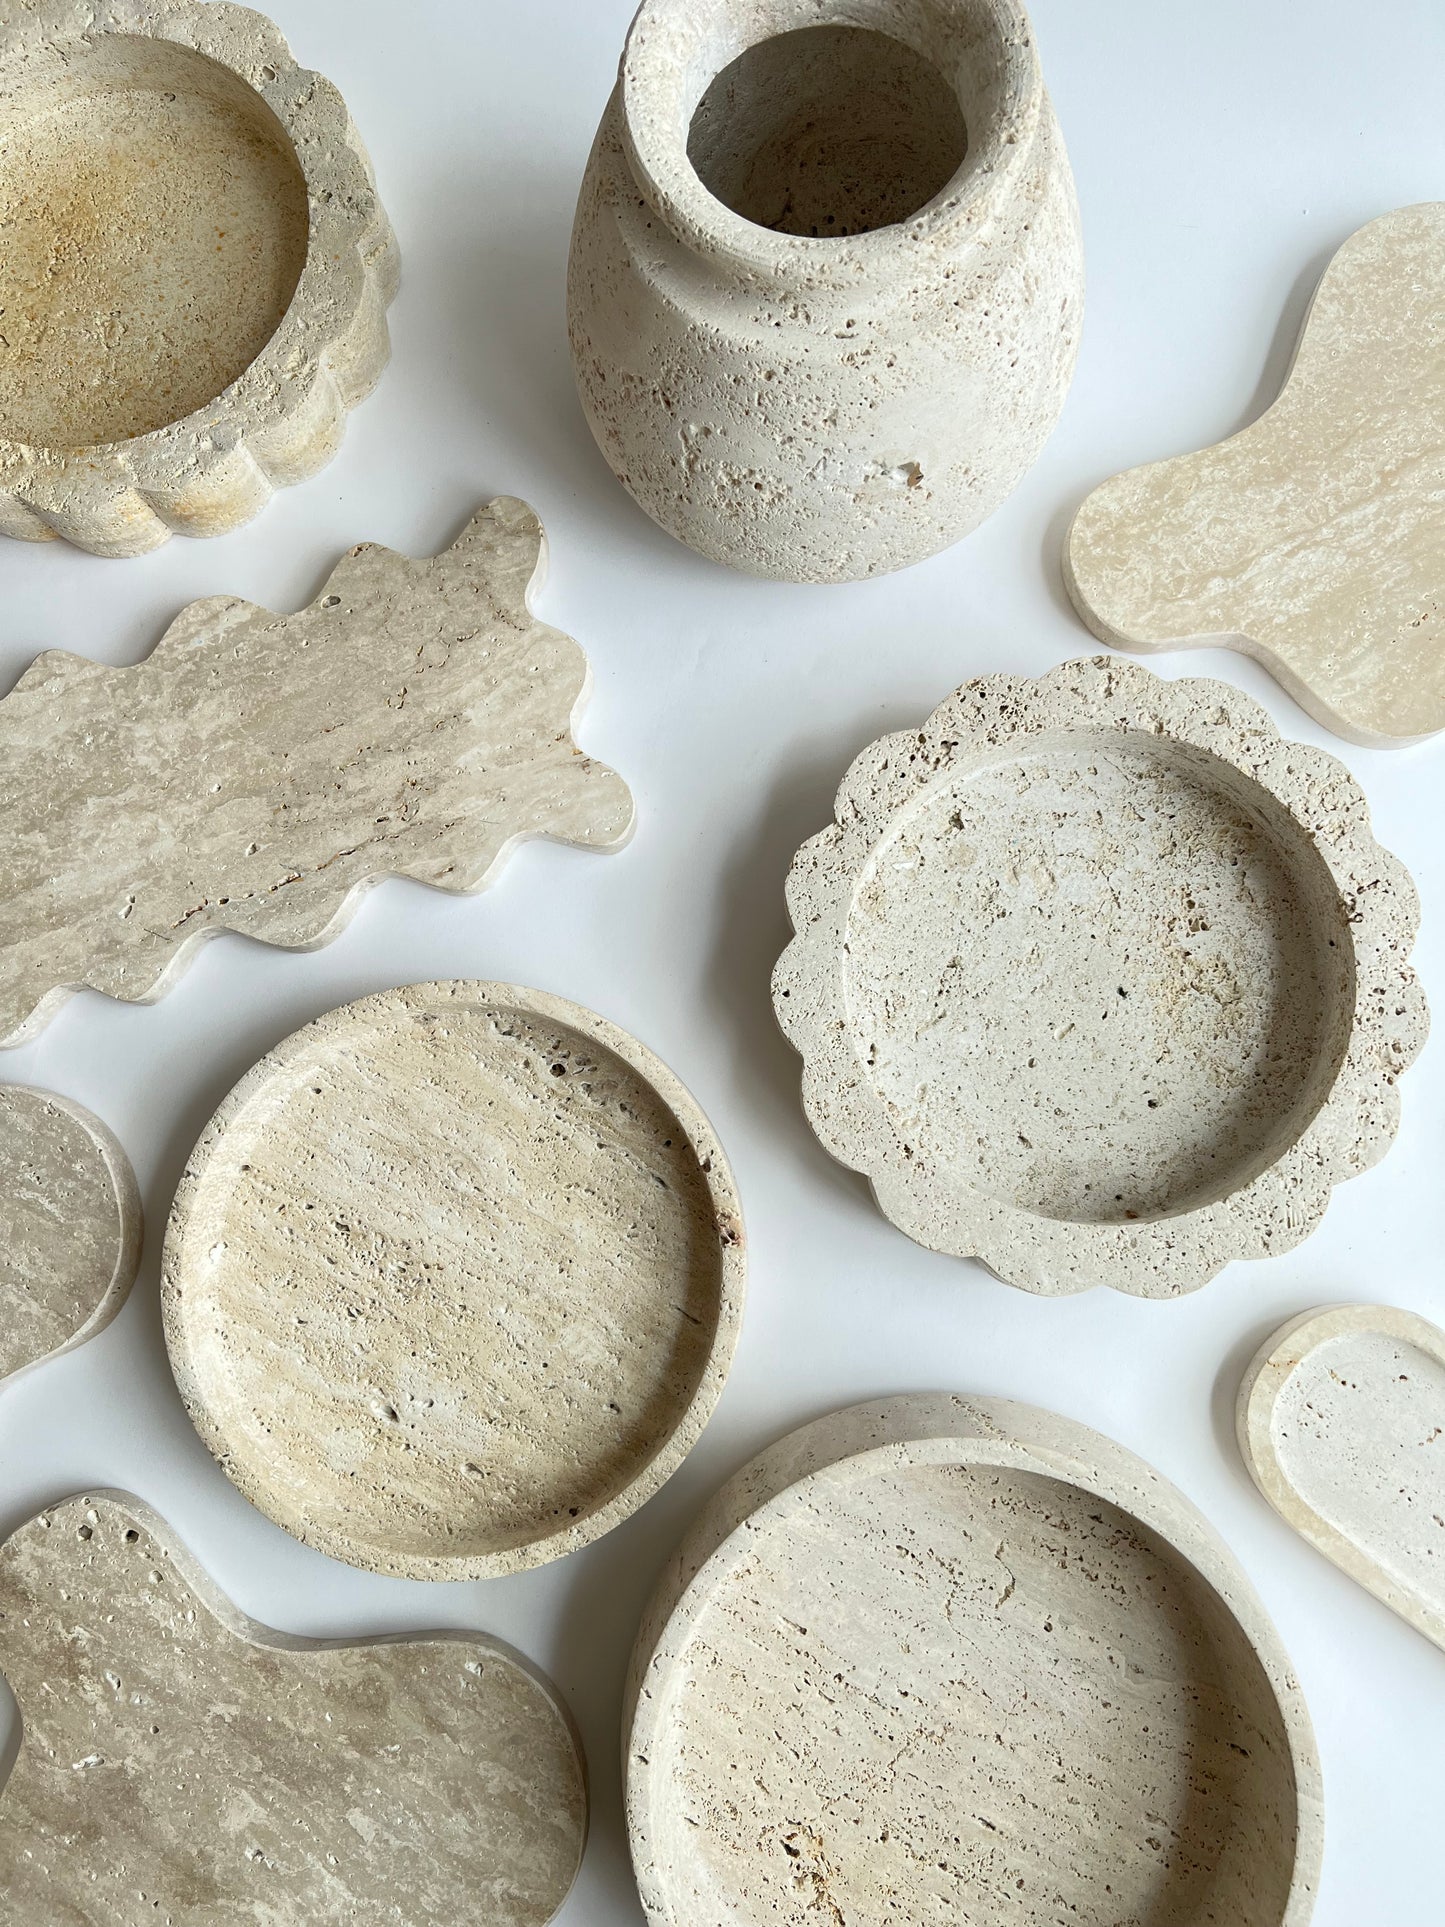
[
  {"x": 156, "y": 224},
  {"x": 950, "y": 1692},
  {"x": 446, "y": 1284},
  {"x": 1108, "y": 979}
]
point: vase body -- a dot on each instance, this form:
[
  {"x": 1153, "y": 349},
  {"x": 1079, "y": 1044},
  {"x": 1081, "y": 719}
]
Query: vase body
[{"x": 791, "y": 366}]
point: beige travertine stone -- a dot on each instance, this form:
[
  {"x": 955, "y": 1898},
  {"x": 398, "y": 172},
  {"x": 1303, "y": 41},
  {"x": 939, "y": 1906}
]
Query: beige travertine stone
[
  {"x": 1315, "y": 539},
  {"x": 826, "y": 280},
  {"x": 70, "y": 1227},
  {"x": 182, "y": 1766},
  {"x": 195, "y": 275},
  {"x": 453, "y": 1280},
  {"x": 1342, "y": 1426},
  {"x": 942, "y": 1660},
  {"x": 1100, "y": 980},
  {"x": 257, "y": 772}
]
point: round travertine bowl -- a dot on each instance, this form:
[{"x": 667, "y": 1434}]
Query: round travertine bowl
[
  {"x": 826, "y": 280},
  {"x": 195, "y": 273}
]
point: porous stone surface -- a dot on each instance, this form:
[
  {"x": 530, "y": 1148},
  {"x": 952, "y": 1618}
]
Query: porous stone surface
[
  {"x": 1342, "y": 1426},
  {"x": 1100, "y": 980},
  {"x": 70, "y": 1227},
  {"x": 195, "y": 276},
  {"x": 826, "y": 280},
  {"x": 938, "y": 1660},
  {"x": 453, "y": 1280},
  {"x": 182, "y": 1766},
  {"x": 1314, "y": 540},
  {"x": 257, "y": 772}
]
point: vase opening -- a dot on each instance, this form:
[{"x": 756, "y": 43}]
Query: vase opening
[{"x": 828, "y": 131}]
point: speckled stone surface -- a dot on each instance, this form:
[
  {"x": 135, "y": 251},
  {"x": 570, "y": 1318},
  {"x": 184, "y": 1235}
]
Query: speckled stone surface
[
  {"x": 943, "y": 1660},
  {"x": 257, "y": 771},
  {"x": 1313, "y": 540},
  {"x": 70, "y": 1227},
  {"x": 182, "y": 1766},
  {"x": 1342, "y": 1426},
  {"x": 453, "y": 1280},
  {"x": 196, "y": 270},
  {"x": 826, "y": 281},
  {"x": 1100, "y": 980}
]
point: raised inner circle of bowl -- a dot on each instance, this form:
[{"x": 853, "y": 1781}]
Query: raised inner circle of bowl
[
  {"x": 156, "y": 225},
  {"x": 1108, "y": 979},
  {"x": 450, "y": 1285}
]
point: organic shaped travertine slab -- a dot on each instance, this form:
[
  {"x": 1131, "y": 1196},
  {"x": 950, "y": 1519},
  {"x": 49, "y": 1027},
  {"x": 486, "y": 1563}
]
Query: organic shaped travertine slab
[
  {"x": 1342, "y": 1426},
  {"x": 941, "y": 1660},
  {"x": 70, "y": 1227},
  {"x": 453, "y": 1280},
  {"x": 195, "y": 275},
  {"x": 1315, "y": 539},
  {"x": 182, "y": 1764},
  {"x": 1100, "y": 980},
  {"x": 257, "y": 771}
]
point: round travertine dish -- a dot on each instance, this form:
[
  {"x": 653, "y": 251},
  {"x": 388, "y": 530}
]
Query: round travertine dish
[
  {"x": 453, "y": 1279},
  {"x": 1100, "y": 980},
  {"x": 943, "y": 1660},
  {"x": 195, "y": 274}
]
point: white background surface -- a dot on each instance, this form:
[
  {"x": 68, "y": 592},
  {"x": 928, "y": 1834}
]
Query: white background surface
[{"x": 1222, "y": 152}]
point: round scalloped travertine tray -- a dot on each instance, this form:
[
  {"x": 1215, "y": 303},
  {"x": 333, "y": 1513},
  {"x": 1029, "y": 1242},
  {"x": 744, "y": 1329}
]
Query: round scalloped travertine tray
[
  {"x": 939, "y": 1660},
  {"x": 453, "y": 1279},
  {"x": 1101, "y": 980}
]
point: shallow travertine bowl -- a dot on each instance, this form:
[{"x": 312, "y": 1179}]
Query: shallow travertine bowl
[
  {"x": 195, "y": 274},
  {"x": 1100, "y": 980},
  {"x": 942, "y": 1660}
]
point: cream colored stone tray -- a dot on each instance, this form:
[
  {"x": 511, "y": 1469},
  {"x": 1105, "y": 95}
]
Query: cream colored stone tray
[
  {"x": 1342, "y": 1426},
  {"x": 180, "y": 1763},
  {"x": 258, "y": 772},
  {"x": 1100, "y": 980},
  {"x": 938, "y": 1659},
  {"x": 1314, "y": 539},
  {"x": 453, "y": 1280},
  {"x": 195, "y": 275},
  {"x": 70, "y": 1227}
]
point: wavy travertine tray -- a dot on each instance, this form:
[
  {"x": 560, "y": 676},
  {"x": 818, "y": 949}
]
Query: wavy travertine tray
[
  {"x": 195, "y": 275},
  {"x": 940, "y": 1659},
  {"x": 1101, "y": 980},
  {"x": 1342, "y": 1426}
]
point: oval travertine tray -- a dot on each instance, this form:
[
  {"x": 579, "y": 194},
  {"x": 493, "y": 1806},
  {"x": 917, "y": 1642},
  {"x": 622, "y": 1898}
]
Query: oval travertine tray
[
  {"x": 937, "y": 1660},
  {"x": 180, "y": 1763},
  {"x": 453, "y": 1280},
  {"x": 1100, "y": 980},
  {"x": 195, "y": 275},
  {"x": 1342, "y": 1425}
]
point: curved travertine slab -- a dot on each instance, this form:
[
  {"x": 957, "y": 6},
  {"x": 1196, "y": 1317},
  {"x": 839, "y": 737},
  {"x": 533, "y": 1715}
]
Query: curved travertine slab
[
  {"x": 182, "y": 1766},
  {"x": 70, "y": 1227},
  {"x": 1342, "y": 1426},
  {"x": 257, "y": 772},
  {"x": 1314, "y": 539},
  {"x": 939, "y": 1660}
]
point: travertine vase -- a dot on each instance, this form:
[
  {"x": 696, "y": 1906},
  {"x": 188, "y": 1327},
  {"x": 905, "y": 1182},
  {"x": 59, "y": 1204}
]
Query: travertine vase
[{"x": 826, "y": 278}]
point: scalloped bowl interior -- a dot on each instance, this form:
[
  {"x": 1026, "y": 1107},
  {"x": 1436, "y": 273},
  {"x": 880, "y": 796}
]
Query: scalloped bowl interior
[
  {"x": 988, "y": 1690},
  {"x": 1108, "y": 979},
  {"x": 156, "y": 224}
]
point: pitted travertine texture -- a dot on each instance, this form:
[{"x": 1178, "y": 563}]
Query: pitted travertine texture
[
  {"x": 1100, "y": 980},
  {"x": 70, "y": 1227},
  {"x": 826, "y": 280},
  {"x": 257, "y": 772},
  {"x": 1315, "y": 539},
  {"x": 1342, "y": 1425},
  {"x": 453, "y": 1280},
  {"x": 196, "y": 270},
  {"x": 182, "y": 1766},
  {"x": 943, "y": 1660}
]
